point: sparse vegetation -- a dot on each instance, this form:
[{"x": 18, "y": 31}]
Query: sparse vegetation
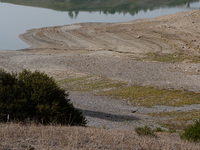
[
  {"x": 145, "y": 131},
  {"x": 176, "y": 120},
  {"x": 171, "y": 130},
  {"x": 137, "y": 95},
  {"x": 166, "y": 57},
  {"x": 158, "y": 129},
  {"x": 149, "y": 96},
  {"x": 172, "y": 57},
  {"x": 35, "y": 96},
  {"x": 142, "y": 96},
  {"x": 87, "y": 83},
  {"x": 192, "y": 132}
]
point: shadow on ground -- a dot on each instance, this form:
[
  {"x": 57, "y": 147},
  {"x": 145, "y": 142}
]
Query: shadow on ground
[{"x": 107, "y": 116}]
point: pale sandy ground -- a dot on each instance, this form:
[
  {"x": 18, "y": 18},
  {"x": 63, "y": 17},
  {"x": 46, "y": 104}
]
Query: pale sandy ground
[{"x": 115, "y": 51}]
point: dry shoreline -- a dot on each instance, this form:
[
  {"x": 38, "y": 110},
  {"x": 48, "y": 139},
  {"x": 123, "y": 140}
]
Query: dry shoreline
[
  {"x": 119, "y": 51},
  {"x": 96, "y": 48}
]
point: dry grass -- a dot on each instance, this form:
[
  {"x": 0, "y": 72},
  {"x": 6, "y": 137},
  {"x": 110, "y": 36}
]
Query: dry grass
[
  {"x": 176, "y": 120},
  {"x": 16, "y": 136}
]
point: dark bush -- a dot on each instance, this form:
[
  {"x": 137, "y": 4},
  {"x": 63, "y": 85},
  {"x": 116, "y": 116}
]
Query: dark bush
[
  {"x": 192, "y": 133},
  {"x": 35, "y": 96}
]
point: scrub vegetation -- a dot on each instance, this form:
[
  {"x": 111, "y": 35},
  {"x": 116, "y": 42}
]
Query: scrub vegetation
[{"x": 35, "y": 97}]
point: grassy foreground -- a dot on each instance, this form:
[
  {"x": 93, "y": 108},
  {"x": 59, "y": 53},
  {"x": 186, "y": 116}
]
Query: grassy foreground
[{"x": 17, "y": 136}]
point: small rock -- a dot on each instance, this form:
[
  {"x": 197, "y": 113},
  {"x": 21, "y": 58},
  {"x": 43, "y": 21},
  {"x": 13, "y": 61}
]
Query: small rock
[
  {"x": 134, "y": 111},
  {"x": 198, "y": 70},
  {"x": 175, "y": 67}
]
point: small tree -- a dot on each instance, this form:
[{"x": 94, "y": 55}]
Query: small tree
[{"x": 36, "y": 96}]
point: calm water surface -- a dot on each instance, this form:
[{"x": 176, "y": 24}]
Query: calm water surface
[{"x": 16, "y": 19}]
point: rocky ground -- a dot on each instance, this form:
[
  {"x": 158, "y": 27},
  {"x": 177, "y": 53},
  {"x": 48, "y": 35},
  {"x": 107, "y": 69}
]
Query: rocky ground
[{"x": 134, "y": 52}]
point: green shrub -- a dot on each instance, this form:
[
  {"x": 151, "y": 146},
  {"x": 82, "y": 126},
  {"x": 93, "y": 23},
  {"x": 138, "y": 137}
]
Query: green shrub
[
  {"x": 35, "y": 96},
  {"x": 158, "y": 129},
  {"x": 192, "y": 133},
  {"x": 145, "y": 131}
]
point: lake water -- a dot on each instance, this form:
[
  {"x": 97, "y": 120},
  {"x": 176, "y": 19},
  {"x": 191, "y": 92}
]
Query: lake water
[{"x": 16, "y": 19}]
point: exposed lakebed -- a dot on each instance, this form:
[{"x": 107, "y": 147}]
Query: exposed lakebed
[{"x": 16, "y": 19}]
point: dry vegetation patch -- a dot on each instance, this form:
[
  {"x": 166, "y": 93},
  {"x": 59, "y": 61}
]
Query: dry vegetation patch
[
  {"x": 17, "y": 136},
  {"x": 171, "y": 57},
  {"x": 88, "y": 83},
  {"x": 137, "y": 95},
  {"x": 149, "y": 96},
  {"x": 176, "y": 120}
]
